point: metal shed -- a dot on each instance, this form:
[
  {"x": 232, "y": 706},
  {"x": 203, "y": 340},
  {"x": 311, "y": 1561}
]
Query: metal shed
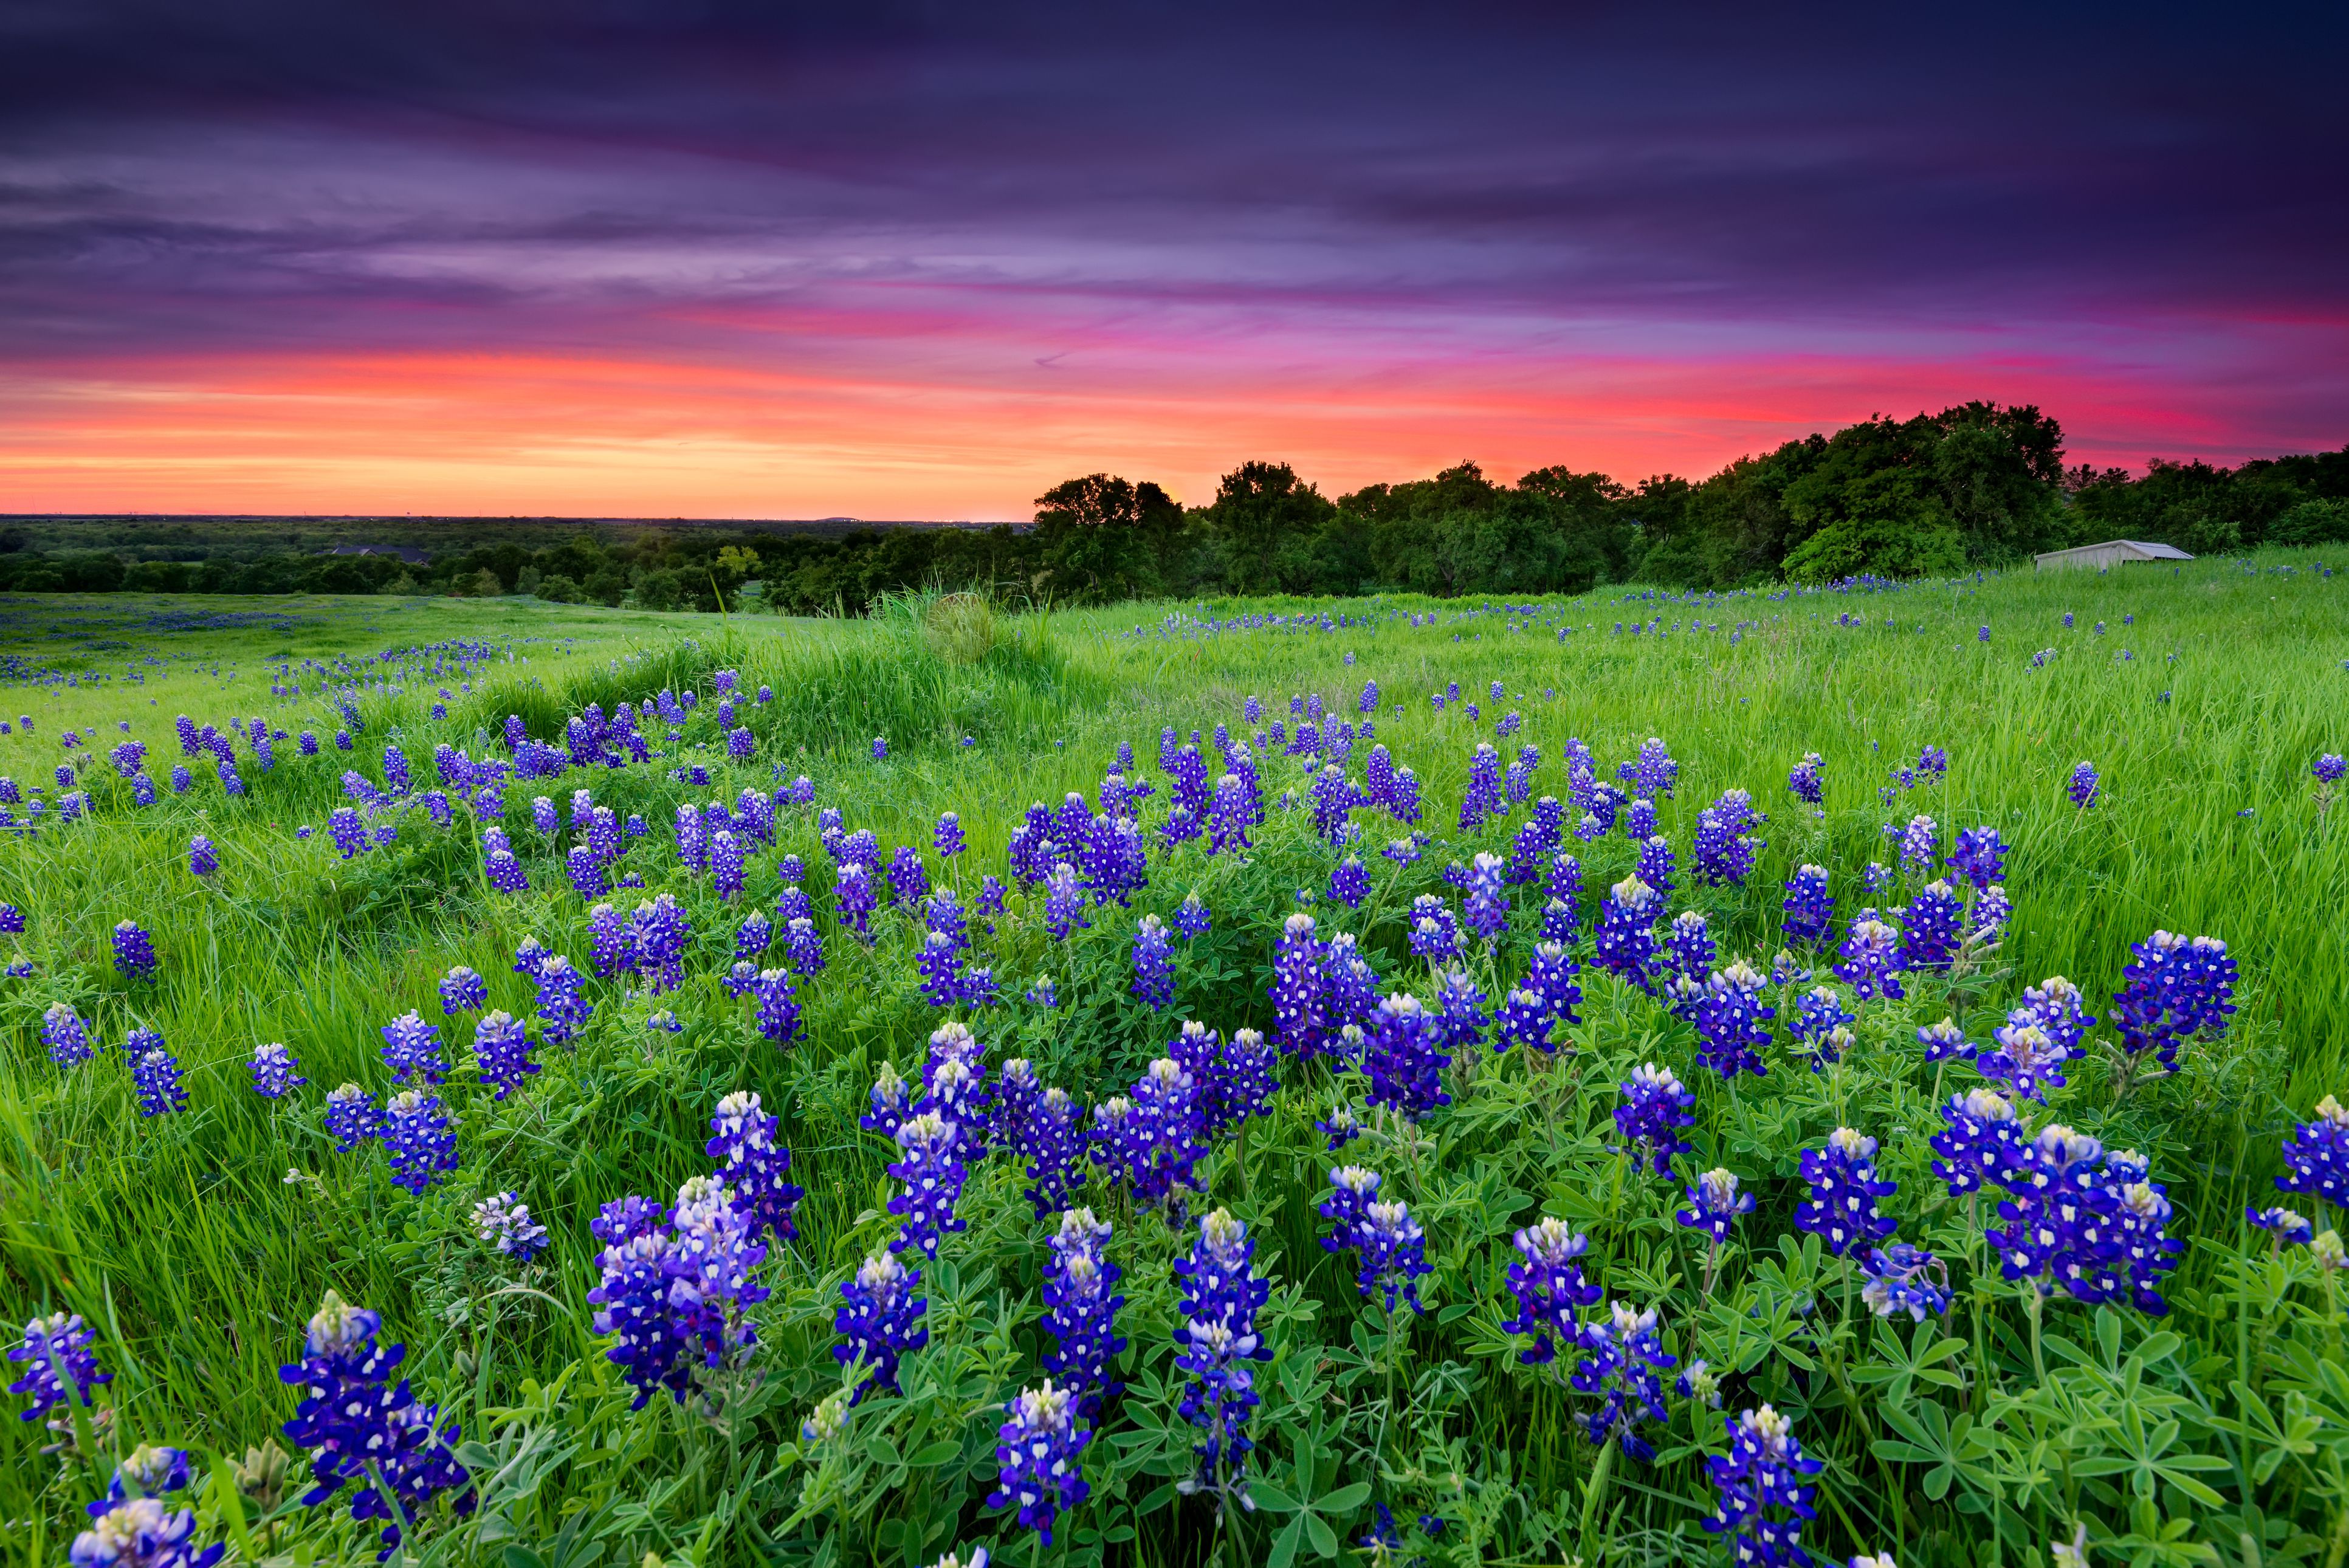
[{"x": 2111, "y": 553}]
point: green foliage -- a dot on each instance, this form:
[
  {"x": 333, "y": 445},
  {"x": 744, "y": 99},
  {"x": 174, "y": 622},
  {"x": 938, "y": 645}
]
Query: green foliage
[
  {"x": 2217, "y": 1435},
  {"x": 1973, "y": 487}
]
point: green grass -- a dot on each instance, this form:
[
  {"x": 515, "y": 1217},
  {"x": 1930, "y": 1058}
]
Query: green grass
[{"x": 196, "y": 1255}]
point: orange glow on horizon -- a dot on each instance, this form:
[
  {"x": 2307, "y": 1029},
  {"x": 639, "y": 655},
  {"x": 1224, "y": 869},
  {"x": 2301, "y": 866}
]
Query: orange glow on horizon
[{"x": 511, "y": 431}]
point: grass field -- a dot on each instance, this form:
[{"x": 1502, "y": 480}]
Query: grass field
[{"x": 196, "y": 1244}]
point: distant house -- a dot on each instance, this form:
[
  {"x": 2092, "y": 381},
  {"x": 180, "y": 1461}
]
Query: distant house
[{"x": 2111, "y": 553}]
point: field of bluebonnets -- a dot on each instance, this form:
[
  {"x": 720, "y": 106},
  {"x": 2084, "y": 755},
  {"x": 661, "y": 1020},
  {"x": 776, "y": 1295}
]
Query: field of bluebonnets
[{"x": 1755, "y": 1078}]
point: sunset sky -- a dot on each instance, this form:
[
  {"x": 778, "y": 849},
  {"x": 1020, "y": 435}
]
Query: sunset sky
[{"x": 622, "y": 257}]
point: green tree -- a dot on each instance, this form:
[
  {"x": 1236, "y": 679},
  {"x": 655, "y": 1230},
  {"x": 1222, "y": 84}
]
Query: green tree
[{"x": 1262, "y": 511}]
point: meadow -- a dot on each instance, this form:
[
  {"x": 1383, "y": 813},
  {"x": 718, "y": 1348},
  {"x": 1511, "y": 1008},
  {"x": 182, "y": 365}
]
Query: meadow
[{"x": 1634, "y": 1239}]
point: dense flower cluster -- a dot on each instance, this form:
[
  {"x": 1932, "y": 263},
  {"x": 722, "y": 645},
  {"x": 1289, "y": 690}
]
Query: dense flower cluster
[
  {"x": 59, "y": 1363},
  {"x": 360, "y": 1425},
  {"x": 1764, "y": 1491},
  {"x": 1842, "y": 1207},
  {"x": 1215, "y": 1344}
]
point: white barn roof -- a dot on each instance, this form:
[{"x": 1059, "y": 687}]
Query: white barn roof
[{"x": 2110, "y": 551}]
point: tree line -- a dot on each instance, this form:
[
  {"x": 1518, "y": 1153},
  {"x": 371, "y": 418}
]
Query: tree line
[{"x": 1977, "y": 485}]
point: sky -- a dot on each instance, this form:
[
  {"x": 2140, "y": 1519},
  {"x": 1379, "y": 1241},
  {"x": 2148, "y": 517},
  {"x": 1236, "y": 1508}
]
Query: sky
[{"x": 704, "y": 258}]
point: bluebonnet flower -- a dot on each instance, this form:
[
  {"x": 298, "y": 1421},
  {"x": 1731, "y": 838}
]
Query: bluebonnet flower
[
  {"x": 1158, "y": 1142},
  {"x": 1153, "y": 963},
  {"x": 1763, "y": 1492},
  {"x": 1298, "y": 993},
  {"x": 1842, "y": 1207},
  {"x": 1081, "y": 1312},
  {"x": 411, "y": 1049},
  {"x": 1876, "y": 878},
  {"x": 1064, "y": 903},
  {"x": 1459, "y": 1015},
  {"x": 1549, "y": 1288},
  {"x": 461, "y": 989},
  {"x": 1392, "y": 1251},
  {"x": 1871, "y": 958},
  {"x": 1482, "y": 798},
  {"x": 880, "y": 1320},
  {"x": 12, "y": 919},
  {"x": 1340, "y": 1127},
  {"x": 1404, "y": 1056},
  {"x": 502, "y": 1047},
  {"x": 1350, "y": 885},
  {"x": 1931, "y": 933},
  {"x": 503, "y": 1222},
  {"x": 1229, "y": 817},
  {"x": 933, "y": 1173},
  {"x": 586, "y": 873},
  {"x": 777, "y": 1008},
  {"x": 1654, "y": 1108},
  {"x": 1487, "y": 912},
  {"x": 2025, "y": 1057},
  {"x": 1945, "y": 1042},
  {"x": 1216, "y": 1341},
  {"x": 887, "y": 1106},
  {"x": 416, "y": 1135},
  {"x": 2286, "y": 1228},
  {"x": 1689, "y": 944},
  {"x": 1353, "y": 1188},
  {"x": 2056, "y": 1006},
  {"x": 631, "y": 1299},
  {"x": 1919, "y": 846},
  {"x": 1240, "y": 1080},
  {"x": 2172, "y": 990},
  {"x": 348, "y": 831},
  {"x": 1733, "y": 1021},
  {"x": 275, "y": 1071},
  {"x": 141, "y": 1533},
  {"x": 1190, "y": 919},
  {"x": 155, "y": 1073},
  {"x": 1715, "y": 1203},
  {"x": 1979, "y": 855},
  {"x": 712, "y": 1265},
  {"x": 1987, "y": 925},
  {"x": 1334, "y": 796},
  {"x": 1038, "y": 1453},
  {"x": 134, "y": 952},
  {"x": 563, "y": 1004},
  {"x": 505, "y": 872},
  {"x": 1403, "y": 797},
  {"x": 360, "y": 1425},
  {"x": 2316, "y": 1156},
  {"x": 1434, "y": 934},
  {"x": 2081, "y": 788},
  {"x": 1626, "y": 943},
  {"x": 1655, "y": 864},
  {"x": 855, "y": 899},
  {"x": 1724, "y": 847},
  {"x": 55, "y": 1352},
  {"x": 1652, "y": 773},
  {"x": 1626, "y": 1357},
  {"x": 202, "y": 859},
  {"x": 908, "y": 881},
  {"x": 1804, "y": 781},
  {"x": 351, "y": 1117},
  {"x": 2083, "y": 1221},
  {"x": 151, "y": 1471},
  {"x": 1054, "y": 1142},
  {"x": 68, "y": 1037},
  {"x": 1897, "y": 1282}
]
